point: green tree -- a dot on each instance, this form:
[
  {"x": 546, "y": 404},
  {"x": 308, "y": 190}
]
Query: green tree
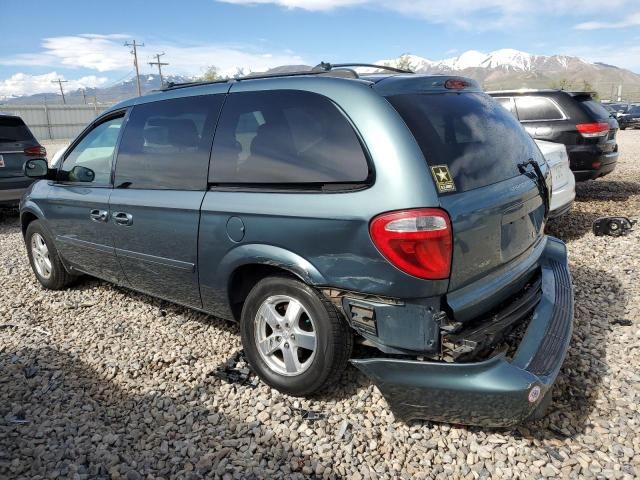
[
  {"x": 211, "y": 74},
  {"x": 404, "y": 62}
]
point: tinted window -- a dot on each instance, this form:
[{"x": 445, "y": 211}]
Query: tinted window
[
  {"x": 13, "y": 129},
  {"x": 94, "y": 151},
  {"x": 285, "y": 137},
  {"x": 166, "y": 144},
  {"x": 596, "y": 109},
  {"x": 473, "y": 135},
  {"x": 634, "y": 111},
  {"x": 537, "y": 108}
]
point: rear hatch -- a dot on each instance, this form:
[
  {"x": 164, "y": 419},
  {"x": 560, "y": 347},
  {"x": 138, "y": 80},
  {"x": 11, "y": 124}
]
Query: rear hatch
[
  {"x": 17, "y": 144},
  {"x": 497, "y": 212},
  {"x": 596, "y": 113}
]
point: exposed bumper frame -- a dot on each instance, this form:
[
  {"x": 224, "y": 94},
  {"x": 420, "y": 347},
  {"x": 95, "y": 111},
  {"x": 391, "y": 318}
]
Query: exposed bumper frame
[{"x": 494, "y": 392}]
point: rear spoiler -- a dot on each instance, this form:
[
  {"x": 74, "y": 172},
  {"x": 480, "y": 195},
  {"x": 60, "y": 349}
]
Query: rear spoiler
[
  {"x": 415, "y": 83},
  {"x": 582, "y": 94}
]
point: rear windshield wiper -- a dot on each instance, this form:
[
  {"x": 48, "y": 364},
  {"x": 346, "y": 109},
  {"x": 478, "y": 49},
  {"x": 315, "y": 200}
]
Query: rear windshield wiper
[{"x": 540, "y": 182}]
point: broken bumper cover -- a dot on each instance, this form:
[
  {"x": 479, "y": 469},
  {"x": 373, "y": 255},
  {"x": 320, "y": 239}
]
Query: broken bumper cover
[{"x": 497, "y": 392}]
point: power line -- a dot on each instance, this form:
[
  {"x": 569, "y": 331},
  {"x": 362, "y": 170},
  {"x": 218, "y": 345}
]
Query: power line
[
  {"x": 60, "y": 82},
  {"x": 135, "y": 61},
  {"x": 159, "y": 64}
]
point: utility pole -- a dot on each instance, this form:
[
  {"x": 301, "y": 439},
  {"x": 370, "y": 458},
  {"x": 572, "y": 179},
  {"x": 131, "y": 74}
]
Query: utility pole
[
  {"x": 60, "y": 82},
  {"x": 160, "y": 65},
  {"x": 84, "y": 95},
  {"x": 135, "y": 61}
]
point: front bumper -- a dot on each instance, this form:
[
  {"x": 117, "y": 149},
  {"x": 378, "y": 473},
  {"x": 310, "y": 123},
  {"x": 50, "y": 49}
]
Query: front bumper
[{"x": 496, "y": 392}]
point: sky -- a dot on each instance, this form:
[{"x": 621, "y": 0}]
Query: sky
[{"x": 83, "y": 42}]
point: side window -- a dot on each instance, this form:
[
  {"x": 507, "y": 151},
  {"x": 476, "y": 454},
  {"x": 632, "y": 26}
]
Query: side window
[
  {"x": 507, "y": 102},
  {"x": 94, "y": 151},
  {"x": 166, "y": 144},
  {"x": 537, "y": 108},
  {"x": 285, "y": 136}
]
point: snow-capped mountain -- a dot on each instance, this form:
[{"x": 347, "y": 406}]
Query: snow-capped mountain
[
  {"x": 506, "y": 59},
  {"x": 509, "y": 68}
]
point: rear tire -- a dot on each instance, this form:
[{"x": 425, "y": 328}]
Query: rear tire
[
  {"x": 295, "y": 339},
  {"x": 44, "y": 259}
]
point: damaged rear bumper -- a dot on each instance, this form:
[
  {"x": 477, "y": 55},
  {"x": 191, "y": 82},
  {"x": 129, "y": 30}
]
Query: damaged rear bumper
[{"x": 497, "y": 392}]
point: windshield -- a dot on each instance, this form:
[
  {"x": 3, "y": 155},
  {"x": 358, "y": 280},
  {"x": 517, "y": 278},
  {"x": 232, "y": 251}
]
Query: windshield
[
  {"x": 479, "y": 141},
  {"x": 13, "y": 130}
]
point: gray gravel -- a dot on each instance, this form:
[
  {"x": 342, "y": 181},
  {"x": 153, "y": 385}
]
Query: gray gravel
[{"x": 100, "y": 382}]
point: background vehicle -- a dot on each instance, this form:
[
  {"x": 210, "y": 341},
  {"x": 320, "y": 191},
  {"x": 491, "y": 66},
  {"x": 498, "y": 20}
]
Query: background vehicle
[
  {"x": 574, "y": 119},
  {"x": 563, "y": 191},
  {"x": 630, "y": 118},
  {"x": 17, "y": 144},
  {"x": 406, "y": 211}
]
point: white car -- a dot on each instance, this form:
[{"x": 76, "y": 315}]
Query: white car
[{"x": 563, "y": 188}]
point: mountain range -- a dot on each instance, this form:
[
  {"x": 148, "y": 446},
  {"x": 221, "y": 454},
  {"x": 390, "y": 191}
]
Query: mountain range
[
  {"x": 500, "y": 69},
  {"x": 508, "y": 68}
]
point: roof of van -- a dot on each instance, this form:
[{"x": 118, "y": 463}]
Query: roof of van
[{"x": 383, "y": 84}]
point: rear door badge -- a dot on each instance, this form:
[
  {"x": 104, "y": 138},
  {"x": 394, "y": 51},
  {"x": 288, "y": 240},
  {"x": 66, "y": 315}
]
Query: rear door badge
[{"x": 443, "y": 178}]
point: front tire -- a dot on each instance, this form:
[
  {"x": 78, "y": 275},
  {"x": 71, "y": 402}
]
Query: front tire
[
  {"x": 295, "y": 340},
  {"x": 44, "y": 259}
]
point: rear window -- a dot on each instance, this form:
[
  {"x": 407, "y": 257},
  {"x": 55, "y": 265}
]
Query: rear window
[
  {"x": 533, "y": 108},
  {"x": 594, "y": 108},
  {"x": 477, "y": 139},
  {"x": 13, "y": 129}
]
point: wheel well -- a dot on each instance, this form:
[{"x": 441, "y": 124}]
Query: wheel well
[
  {"x": 244, "y": 278},
  {"x": 26, "y": 219}
]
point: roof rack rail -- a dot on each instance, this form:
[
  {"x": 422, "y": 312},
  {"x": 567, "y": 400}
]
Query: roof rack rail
[{"x": 323, "y": 68}]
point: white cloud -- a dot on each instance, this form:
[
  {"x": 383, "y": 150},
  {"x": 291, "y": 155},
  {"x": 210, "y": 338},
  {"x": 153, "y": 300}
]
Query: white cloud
[
  {"x": 460, "y": 13},
  {"x": 632, "y": 20},
  {"x": 25, "y": 84},
  {"x": 105, "y": 53},
  {"x": 95, "y": 52},
  {"x": 312, "y": 5}
]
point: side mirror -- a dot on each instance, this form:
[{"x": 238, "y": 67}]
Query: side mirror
[
  {"x": 81, "y": 174},
  {"x": 36, "y": 168}
]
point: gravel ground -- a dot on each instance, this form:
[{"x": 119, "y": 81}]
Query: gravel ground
[{"x": 100, "y": 382}]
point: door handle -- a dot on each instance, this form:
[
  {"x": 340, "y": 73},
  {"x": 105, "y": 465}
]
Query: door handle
[
  {"x": 123, "y": 218},
  {"x": 99, "y": 215}
]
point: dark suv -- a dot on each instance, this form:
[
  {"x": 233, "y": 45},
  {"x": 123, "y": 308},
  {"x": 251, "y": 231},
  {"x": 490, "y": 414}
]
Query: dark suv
[
  {"x": 575, "y": 119},
  {"x": 404, "y": 212},
  {"x": 630, "y": 118},
  {"x": 17, "y": 144}
]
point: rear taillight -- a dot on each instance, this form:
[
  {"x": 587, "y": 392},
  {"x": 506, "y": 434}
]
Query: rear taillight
[
  {"x": 38, "y": 151},
  {"x": 418, "y": 242},
  {"x": 455, "y": 84},
  {"x": 596, "y": 129}
]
